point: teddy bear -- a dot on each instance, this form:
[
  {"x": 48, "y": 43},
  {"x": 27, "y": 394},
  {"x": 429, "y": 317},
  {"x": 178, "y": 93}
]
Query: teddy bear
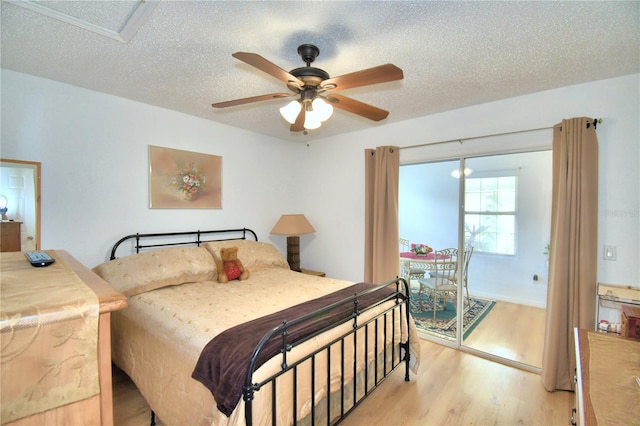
[{"x": 229, "y": 266}]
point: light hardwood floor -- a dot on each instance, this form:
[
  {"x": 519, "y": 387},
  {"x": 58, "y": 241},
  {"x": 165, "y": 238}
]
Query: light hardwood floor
[
  {"x": 511, "y": 331},
  {"x": 451, "y": 388}
]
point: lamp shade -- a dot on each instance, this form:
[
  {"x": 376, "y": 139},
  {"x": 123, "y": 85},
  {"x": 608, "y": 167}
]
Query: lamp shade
[
  {"x": 322, "y": 109},
  {"x": 311, "y": 120},
  {"x": 292, "y": 224},
  {"x": 290, "y": 111}
]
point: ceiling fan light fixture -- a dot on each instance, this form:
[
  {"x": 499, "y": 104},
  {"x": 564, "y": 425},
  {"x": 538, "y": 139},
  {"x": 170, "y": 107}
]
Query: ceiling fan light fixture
[
  {"x": 322, "y": 109},
  {"x": 456, "y": 172},
  {"x": 290, "y": 111}
]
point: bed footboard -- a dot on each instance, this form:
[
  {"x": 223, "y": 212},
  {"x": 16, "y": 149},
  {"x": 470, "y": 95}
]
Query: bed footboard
[{"x": 363, "y": 354}]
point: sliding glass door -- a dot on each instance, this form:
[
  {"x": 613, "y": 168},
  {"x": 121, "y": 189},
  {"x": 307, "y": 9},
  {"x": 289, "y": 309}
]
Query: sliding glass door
[
  {"x": 507, "y": 221},
  {"x": 429, "y": 215},
  {"x": 496, "y": 214}
]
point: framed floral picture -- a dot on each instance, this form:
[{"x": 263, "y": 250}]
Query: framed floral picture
[{"x": 184, "y": 179}]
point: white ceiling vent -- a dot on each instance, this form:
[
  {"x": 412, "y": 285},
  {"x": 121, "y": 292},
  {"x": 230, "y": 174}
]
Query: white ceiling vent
[{"x": 118, "y": 20}]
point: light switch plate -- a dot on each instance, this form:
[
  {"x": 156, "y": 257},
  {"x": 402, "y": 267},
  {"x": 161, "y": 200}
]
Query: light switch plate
[{"x": 609, "y": 252}]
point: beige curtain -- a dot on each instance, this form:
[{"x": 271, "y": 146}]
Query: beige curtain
[
  {"x": 381, "y": 250},
  {"x": 571, "y": 295}
]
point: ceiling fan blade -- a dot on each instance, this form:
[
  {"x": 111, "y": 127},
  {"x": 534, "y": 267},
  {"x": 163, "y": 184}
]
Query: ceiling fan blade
[
  {"x": 269, "y": 67},
  {"x": 298, "y": 126},
  {"x": 357, "y": 107},
  {"x": 250, "y": 99},
  {"x": 375, "y": 75}
]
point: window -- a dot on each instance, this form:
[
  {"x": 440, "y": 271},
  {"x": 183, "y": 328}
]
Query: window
[{"x": 490, "y": 214}]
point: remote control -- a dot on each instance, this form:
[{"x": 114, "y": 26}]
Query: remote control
[{"x": 39, "y": 258}]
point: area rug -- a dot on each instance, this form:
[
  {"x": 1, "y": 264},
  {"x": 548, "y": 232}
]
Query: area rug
[{"x": 445, "y": 322}]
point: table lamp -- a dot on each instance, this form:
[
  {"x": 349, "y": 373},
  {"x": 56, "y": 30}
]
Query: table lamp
[{"x": 293, "y": 225}]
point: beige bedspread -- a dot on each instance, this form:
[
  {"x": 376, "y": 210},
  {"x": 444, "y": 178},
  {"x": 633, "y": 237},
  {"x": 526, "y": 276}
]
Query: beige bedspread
[
  {"x": 158, "y": 338},
  {"x": 49, "y": 337}
]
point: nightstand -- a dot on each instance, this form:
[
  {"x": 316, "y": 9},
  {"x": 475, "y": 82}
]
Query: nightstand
[{"x": 310, "y": 272}]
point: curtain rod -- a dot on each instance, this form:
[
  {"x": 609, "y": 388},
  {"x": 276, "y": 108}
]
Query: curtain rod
[{"x": 595, "y": 123}]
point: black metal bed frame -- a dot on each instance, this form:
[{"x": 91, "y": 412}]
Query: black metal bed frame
[
  {"x": 182, "y": 238},
  {"x": 390, "y": 361}
]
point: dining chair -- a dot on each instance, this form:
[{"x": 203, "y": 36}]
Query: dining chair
[
  {"x": 468, "y": 251},
  {"x": 408, "y": 271},
  {"x": 442, "y": 280}
]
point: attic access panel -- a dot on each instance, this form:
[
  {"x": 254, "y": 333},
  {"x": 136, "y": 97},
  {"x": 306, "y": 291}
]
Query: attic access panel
[{"x": 118, "y": 20}]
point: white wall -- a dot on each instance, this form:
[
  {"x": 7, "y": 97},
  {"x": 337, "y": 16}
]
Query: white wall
[
  {"x": 93, "y": 149},
  {"x": 94, "y": 153}
]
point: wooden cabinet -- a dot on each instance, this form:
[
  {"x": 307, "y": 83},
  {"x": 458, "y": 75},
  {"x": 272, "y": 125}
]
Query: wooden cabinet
[
  {"x": 94, "y": 410},
  {"x": 10, "y": 236}
]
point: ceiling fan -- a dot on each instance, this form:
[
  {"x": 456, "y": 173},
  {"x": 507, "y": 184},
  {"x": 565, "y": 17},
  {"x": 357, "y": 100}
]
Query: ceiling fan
[{"x": 315, "y": 89}]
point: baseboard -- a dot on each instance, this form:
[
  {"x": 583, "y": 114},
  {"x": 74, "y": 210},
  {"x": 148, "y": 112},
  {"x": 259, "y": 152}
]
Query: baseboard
[{"x": 503, "y": 298}]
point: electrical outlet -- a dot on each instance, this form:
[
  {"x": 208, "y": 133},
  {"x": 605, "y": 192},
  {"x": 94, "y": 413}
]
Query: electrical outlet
[
  {"x": 609, "y": 252},
  {"x": 538, "y": 279}
]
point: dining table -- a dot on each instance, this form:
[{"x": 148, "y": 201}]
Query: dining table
[{"x": 410, "y": 260}]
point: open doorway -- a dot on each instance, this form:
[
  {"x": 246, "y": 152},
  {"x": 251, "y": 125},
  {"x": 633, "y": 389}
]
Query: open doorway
[{"x": 499, "y": 207}]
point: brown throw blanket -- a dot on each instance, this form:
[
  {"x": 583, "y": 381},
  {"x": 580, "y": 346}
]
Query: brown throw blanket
[{"x": 224, "y": 360}]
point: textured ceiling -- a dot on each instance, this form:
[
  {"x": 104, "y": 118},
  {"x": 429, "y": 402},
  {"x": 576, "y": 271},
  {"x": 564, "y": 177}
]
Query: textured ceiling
[{"x": 177, "y": 54}]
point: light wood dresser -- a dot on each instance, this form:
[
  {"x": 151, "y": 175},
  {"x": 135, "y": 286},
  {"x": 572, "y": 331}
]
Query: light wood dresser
[
  {"x": 19, "y": 283},
  {"x": 607, "y": 392}
]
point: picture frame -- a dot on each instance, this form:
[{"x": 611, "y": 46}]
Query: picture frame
[{"x": 181, "y": 179}]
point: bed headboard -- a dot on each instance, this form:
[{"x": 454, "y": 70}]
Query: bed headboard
[{"x": 189, "y": 238}]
